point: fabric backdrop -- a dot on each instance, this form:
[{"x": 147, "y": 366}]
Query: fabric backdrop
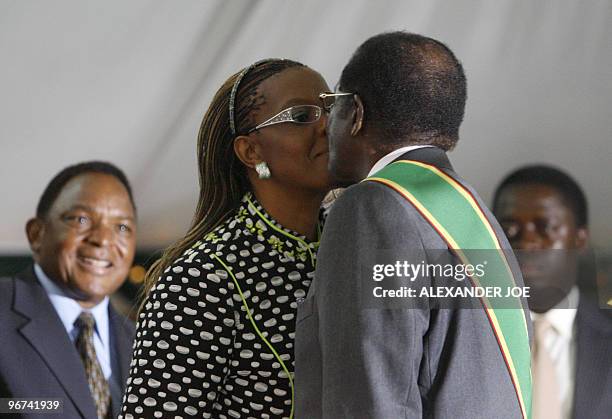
[{"x": 128, "y": 81}]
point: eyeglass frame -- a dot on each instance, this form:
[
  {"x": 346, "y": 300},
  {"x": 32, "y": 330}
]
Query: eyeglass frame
[
  {"x": 285, "y": 116},
  {"x": 325, "y": 95}
]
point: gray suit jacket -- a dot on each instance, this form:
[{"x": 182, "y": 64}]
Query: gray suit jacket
[
  {"x": 356, "y": 362},
  {"x": 37, "y": 358}
]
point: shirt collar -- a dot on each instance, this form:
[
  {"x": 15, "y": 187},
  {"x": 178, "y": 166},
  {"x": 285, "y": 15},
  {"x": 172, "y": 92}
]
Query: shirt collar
[
  {"x": 250, "y": 203},
  {"x": 388, "y": 158},
  {"x": 69, "y": 310},
  {"x": 562, "y": 316},
  {"x": 256, "y": 221}
]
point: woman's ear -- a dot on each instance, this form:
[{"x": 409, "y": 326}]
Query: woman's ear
[
  {"x": 248, "y": 150},
  {"x": 357, "y": 116}
]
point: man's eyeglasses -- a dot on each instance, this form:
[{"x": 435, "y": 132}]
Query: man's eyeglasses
[
  {"x": 329, "y": 99},
  {"x": 301, "y": 114}
]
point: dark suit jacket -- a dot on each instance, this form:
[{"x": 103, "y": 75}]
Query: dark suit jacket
[
  {"x": 356, "y": 362},
  {"x": 593, "y": 385},
  {"x": 37, "y": 357}
]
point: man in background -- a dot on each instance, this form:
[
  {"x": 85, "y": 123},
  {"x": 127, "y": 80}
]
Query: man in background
[
  {"x": 60, "y": 336},
  {"x": 544, "y": 214}
]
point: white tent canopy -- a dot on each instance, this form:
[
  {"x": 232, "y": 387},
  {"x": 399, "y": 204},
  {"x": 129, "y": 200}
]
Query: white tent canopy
[{"x": 128, "y": 82}]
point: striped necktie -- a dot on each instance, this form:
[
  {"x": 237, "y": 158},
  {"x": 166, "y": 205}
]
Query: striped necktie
[{"x": 98, "y": 385}]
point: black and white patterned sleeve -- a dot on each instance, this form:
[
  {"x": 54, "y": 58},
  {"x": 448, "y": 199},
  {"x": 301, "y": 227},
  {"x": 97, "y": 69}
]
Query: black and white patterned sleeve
[{"x": 183, "y": 344}]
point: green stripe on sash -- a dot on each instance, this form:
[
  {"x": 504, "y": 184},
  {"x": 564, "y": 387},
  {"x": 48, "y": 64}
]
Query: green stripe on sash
[{"x": 454, "y": 213}]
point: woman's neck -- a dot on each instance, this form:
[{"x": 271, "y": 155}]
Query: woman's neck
[{"x": 297, "y": 210}]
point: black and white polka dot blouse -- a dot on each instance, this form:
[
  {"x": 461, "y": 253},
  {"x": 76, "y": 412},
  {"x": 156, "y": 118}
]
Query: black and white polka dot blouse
[{"x": 198, "y": 353}]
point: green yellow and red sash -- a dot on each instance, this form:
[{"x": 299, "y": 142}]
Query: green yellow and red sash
[{"x": 450, "y": 208}]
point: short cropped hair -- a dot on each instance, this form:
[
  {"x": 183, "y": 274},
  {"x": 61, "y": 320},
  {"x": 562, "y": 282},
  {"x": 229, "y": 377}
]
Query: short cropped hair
[
  {"x": 413, "y": 88},
  {"x": 55, "y": 186},
  {"x": 569, "y": 190}
]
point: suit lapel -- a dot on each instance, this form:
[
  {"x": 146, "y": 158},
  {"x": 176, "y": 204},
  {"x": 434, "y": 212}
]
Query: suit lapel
[
  {"x": 121, "y": 353},
  {"x": 123, "y": 337},
  {"x": 48, "y": 337},
  {"x": 592, "y": 352}
]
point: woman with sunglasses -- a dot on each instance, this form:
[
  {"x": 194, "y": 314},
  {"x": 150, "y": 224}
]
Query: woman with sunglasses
[{"x": 215, "y": 333}]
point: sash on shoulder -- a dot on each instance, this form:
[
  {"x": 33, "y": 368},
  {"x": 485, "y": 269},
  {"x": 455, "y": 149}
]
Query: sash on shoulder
[{"x": 453, "y": 212}]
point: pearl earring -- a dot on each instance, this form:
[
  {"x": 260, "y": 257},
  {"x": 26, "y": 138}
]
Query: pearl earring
[{"x": 263, "y": 171}]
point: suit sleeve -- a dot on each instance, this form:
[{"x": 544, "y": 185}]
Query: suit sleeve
[
  {"x": 371, "y": 348},
  {"x": 183, "y": 344}
]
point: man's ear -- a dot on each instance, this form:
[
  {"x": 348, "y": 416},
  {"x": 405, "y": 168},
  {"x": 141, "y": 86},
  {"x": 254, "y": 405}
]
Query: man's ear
[
  {"x": 357, "y": 115},
  {"x": 35, "y": 230},
  {"x": 582, "y": 238},
  {"x": 247, "y": 150}
]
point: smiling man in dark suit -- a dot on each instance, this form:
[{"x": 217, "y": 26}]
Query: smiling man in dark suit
[
  {"x": 544, "y": 214},
  {"x": 60, "y": 336}
]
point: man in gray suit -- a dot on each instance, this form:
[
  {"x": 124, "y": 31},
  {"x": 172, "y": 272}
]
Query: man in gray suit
[
  {"x": 400, "y": 102},
  {"x": 61, "y": 339}
]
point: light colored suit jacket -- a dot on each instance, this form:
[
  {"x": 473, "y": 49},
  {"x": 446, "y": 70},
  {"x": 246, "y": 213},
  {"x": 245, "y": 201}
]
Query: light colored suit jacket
[{"x": 356, "y": 362}]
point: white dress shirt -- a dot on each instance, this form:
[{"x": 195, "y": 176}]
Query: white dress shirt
[
  {"x": 69, "y": 310},
  {"x": 388, "y": 158},
  {"x": 560, "y": 344}
]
